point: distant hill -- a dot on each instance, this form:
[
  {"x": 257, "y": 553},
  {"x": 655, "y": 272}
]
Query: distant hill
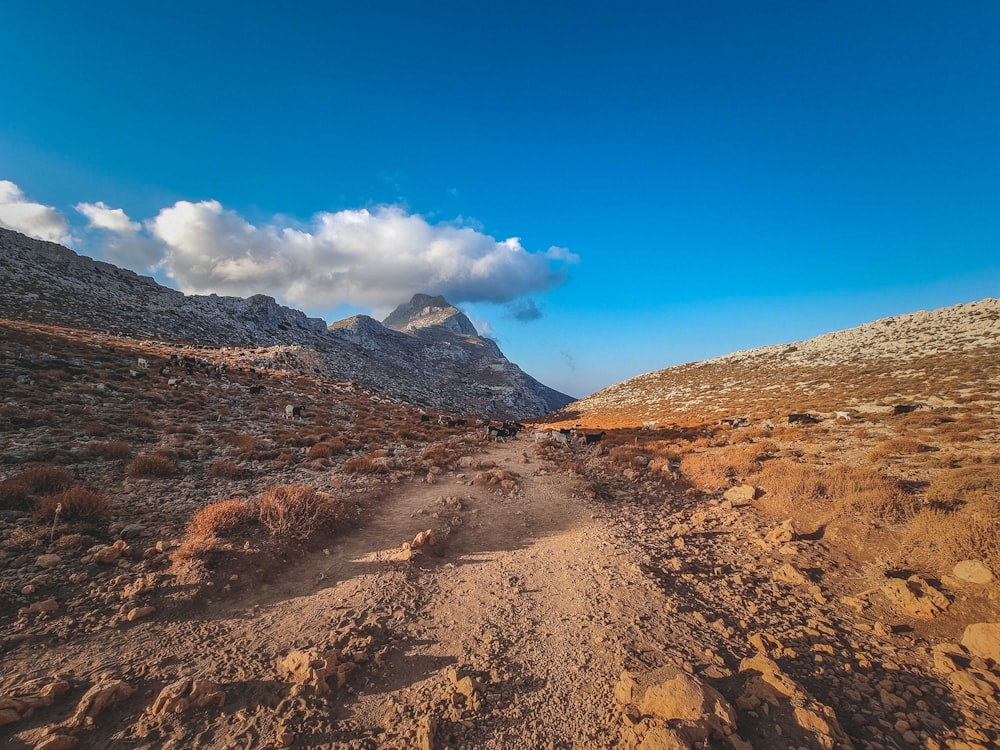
[
  {"x": 941, "y": 358},
  {"x": 428, "y": 353}
]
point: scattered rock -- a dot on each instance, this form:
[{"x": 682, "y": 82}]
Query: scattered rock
[
  {"x": 44, "y": 606},
  {"x": 983, "y": 639},
  {"x": 58, "y": 742},
  {"x": 782, "y": 534},
  {"x": 48, "y": 561},
  {"x": 790, "y": 574},
  {"x": 98, "y": 698},
  {"x": 311, "y": 669},
  {"x": 972, "y": 571},
  {"x": 22, "y": 701},
  {"x": 139, "y": 612},
  {"x": 742, "y": 495},
  {"x": 186, "y": 692},
  {"x": 915, "y": 596}
]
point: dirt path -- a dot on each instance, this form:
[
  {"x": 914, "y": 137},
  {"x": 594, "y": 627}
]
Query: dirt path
[{"x": 512, "y": 632}]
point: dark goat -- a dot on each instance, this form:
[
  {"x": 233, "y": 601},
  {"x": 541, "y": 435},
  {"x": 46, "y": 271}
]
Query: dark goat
[
  {"x": 592, "y": 437},
  {"x": 905, "y": 408},
  {"x": 802, "y": 419}
]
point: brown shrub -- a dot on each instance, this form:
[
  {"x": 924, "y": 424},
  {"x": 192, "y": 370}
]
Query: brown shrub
[
  {"x": 940, "y": 537},
  {"x": 15, "y": 494},
  {"x": 953, "y": 487},
  {"x": 295, "y": 510},
  {"x": 94, "y": 428},
  {"x": 111, "y": 451},
  {"x": 902, "y": 446},
  {"x": 226, "y": 470},
  {"x": 359, "y": 465},
  {"x": 220, "y": 518},
  {"x": 244, "y": 442},
  {"x": 717, "y": 469},
  {"x": 327, "y": 448},
  {"x": 146, "y": 421},
  {"x": 152, "y": 465},
  {"x": 46, "y": 480},
  {"x": 185, "y": 428},
  {"x": 624, "y": 456},
  {"x": 79, "y": 503},
  {"x": 438, "y": 455}
]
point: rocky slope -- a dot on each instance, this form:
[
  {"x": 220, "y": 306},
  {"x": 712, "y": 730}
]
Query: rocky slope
[
  {"x": 939, "y": 358},
  {"x": 436, "y": 359}
]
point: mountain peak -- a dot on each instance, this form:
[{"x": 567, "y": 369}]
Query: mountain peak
[{"x": 425, "y": 311}]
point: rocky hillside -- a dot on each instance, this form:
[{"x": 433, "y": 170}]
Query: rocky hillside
[
  {"x": 433, "y": 358},
  {"x": 942, "y": 358}
]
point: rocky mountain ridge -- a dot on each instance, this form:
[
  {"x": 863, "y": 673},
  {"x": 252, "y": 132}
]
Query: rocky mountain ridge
[
  {"x": 940, "y": 357},
  {"x": 435, "y": 359}
]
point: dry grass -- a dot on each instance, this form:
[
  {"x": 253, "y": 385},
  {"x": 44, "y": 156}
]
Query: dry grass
[
  {"x": 718, "y": 469},
  {"x": 858, "y": 491},
  {"x": 901, "y": 446},
  {"x": 78, "y": 503},
  {"x": 221, "y": 518},
  {"x": 152, "y": 465},
  {"x": 951, "y": 488},
  {"x": 295, "y": 511},
  {"x": 226, "y": 470},
  {"x": 112, "y": 450},
  {"x": 940, "y": 538},
  {"x": 146, "y": 421},
  {"x": 46, "y": 480},
  {"x": 15, "y": 494},
  {"x": 327, "y": 448}
]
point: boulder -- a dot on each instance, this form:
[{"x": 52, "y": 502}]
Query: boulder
[
  {"x": 98, "y": 698},
  {"x": 48, "y": 561},
  {"x": 742, "y": 495},
  {"x": 783, "y": 533},
  {"x": 915, "y": 596},
  {"x": 181, "y": 695},
  {"x": 311, "y": 669},
  {"x": 972, "y": 571},
  {"x": 983, "y": 639}
]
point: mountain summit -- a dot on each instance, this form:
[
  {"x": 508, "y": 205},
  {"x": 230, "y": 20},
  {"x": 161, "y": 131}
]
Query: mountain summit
[
  {"x": 427, "y": 352},
  {"x": 423, "y": 311}
]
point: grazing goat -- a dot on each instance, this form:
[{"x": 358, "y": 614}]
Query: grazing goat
[
  {"x": 592, "y": 437},
  {"x": 650, "y": 424},
  {"x": 143, "y": 363},
  {"x": 293, "y": 412},
  {"x": 802, "y": 419},
  {"x": 846, "y": 416},
  {"x": 735, "y": 421},
  {"x": 905, "y": 408}
]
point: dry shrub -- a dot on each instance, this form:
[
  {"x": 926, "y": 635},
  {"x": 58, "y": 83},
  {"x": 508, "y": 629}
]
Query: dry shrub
[
  {"x": 718, "y": 469},
  {"x": 244, "y": 442},
  {"x": 79, "y": 503},
  {"x": 111, "y": 451},
  {"x": 15, "y": 494},
  {"x": 185, "y": 428},
  {"x": 146, "y": 421},
  {"x": 294, "y": 510},
  {"x": 327, "y": 448},
  {"x": 939, "y": 537},
  {"x": 359, "y": 465},
  {"x": 152, "y": 465},
  {"x": 853, "y": 490},
  {"x": 902, "y": 446},
  {"x": 94, "y": 428},
  {"x": 438, "y": 455},
  {"x": 865, "y": 491},
  {"x": 624, "y": 456},
  {"x": 46, "y": 480},
  {"x": 226, "y": 470},
  {"x": 220, "y": 519},
  {"x": 973, "y": 484}
]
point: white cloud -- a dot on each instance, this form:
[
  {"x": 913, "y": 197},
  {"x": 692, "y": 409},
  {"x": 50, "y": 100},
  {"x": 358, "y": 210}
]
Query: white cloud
[
  {"x": 362, "y": 257},
  {"x": 33, "y": 219},
  {"x": 102, "y": 216}
]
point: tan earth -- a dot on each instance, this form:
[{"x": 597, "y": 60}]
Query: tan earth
[{"x": 514, "y": 631}]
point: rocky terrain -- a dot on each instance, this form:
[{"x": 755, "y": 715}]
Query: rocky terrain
[
  {"x": 436, "y": 360},
  {"x": 189, "y": 561}
]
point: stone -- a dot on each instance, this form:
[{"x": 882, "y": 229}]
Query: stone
[
  {"x": 972, "y": 571},
  {"x": 181, "y": 695},
  {"x": 312, "y": 668},
  {"x": 44, "y": 606},
  {"x": 983, "y": 640},
  {"x": 663, "y": 738},
  {"x": 426, "y": 732},
  {"x": 48, "y": 561},
  {"x": 424, "y": 539},
  {"x": 783, "y": 533},
  {"x": 98, "y": 698},
  {"x": 968, "y": 682},
  {"x": 742, "y": 495},
  {"x": 58, "y": 742},
  {"x": 915, "y": 596},
  {"x": 790, "y": 574},
  {"x": 137, "y": 613}
]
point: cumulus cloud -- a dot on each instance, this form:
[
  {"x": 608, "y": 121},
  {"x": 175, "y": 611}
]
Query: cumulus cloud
[
  {"x": 102, "y": 216},
  {"x": 363, "y": 257},
  {"x": 524, "y": 311},
  {"x": 30, "y": 218},
  {"x": 123, "y": 243}
]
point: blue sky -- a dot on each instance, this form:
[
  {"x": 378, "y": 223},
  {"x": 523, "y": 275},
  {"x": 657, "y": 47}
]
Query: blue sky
[{"x": 683, "y": 179}]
